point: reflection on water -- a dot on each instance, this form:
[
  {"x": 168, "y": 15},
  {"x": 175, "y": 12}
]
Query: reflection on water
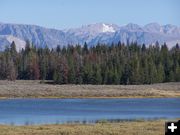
[{"x": 46, "y": 111}]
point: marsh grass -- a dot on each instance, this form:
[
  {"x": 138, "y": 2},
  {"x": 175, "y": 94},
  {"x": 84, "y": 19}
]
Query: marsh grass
[
  {"x": 46, "y": 89},
  {"x": 105, "y": 128}
]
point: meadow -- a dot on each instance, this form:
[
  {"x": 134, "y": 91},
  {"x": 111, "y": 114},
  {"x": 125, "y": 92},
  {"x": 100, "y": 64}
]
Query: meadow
[
  {"x": 104, "y": 128},
  {"x": 39, "y": 89}
]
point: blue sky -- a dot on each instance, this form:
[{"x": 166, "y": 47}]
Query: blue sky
[{"x": 74, "y": 13}]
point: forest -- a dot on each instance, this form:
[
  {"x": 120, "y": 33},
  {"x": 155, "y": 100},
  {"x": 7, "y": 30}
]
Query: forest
[{"x": 99, "y": 64}]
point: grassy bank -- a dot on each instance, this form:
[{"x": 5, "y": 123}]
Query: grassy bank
[
  {"x": 35, "y": 89},
  {"x": 123, "y": 128}
]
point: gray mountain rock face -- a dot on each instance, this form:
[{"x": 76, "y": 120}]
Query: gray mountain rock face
[{"x": 91, "y": 34}]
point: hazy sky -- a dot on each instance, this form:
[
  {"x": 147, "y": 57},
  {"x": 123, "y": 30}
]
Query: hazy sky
[{"x": 74, "y": 13}]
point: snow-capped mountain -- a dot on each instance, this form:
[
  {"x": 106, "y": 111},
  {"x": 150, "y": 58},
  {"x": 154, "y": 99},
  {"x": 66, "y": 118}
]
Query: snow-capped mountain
[{"x": 91, "y": 34}]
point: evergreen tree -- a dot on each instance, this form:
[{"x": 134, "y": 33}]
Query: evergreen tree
[
  {"x": 100, "y": 64},
  {"x": 11, "y": 71}
]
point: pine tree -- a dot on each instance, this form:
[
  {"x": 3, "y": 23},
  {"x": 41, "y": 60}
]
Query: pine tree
[
  {"x": 11, "y": 71},
  {"x": 160, "y": 73},
  {"x": 101, "y": 64},
  {"x": 97, "y": 75},
  {"x": 152, "y": 72},
  {"x": 177, "y": 73}
]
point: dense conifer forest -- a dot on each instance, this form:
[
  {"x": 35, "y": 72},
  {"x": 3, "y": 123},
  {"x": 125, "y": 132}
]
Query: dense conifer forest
[{"x": 100, "y": 64}]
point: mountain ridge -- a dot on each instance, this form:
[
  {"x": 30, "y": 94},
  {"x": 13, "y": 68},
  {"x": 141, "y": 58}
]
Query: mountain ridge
[{"x": 91, "y": 34}]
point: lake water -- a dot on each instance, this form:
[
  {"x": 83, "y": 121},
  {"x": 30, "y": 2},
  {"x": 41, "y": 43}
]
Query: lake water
[{"x": 46, "y": 111}]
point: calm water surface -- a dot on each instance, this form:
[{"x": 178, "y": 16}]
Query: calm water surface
[{"x": 46, "y": 111}]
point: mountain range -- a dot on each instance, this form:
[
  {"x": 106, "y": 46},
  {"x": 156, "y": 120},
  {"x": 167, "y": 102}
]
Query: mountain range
[{"x": 91, "y": 34}]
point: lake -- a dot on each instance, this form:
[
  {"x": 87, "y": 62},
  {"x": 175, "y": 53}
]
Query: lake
[{"x": 53, "y": 111}]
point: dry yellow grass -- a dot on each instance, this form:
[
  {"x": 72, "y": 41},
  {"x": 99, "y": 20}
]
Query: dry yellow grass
[
  {"x": 123, "y": 128},
  {"x": 35, "y": 89}
]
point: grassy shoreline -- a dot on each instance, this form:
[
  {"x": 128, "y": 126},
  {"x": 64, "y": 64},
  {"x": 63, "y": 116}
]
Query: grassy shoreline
[
  {"x": 155, "y": 127},
  {"x": 36, "y": 89},
  {"x": 5, "y": 98}
]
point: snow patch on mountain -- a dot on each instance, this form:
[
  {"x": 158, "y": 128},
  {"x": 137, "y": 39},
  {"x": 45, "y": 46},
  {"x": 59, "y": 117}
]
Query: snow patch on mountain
[{"x": 107, "y": 28}]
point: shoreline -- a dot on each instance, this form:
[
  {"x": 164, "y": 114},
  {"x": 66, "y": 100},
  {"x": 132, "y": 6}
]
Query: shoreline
[
  {"x": 129, "y": 127},
  {"x": 37, "y": 90},
  {"x": 99, "y": 121},
  {"x": 130, "y": 97}
]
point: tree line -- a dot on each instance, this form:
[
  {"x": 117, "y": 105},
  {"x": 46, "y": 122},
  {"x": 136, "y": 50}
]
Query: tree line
[{"x": 100, "y": 64}]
